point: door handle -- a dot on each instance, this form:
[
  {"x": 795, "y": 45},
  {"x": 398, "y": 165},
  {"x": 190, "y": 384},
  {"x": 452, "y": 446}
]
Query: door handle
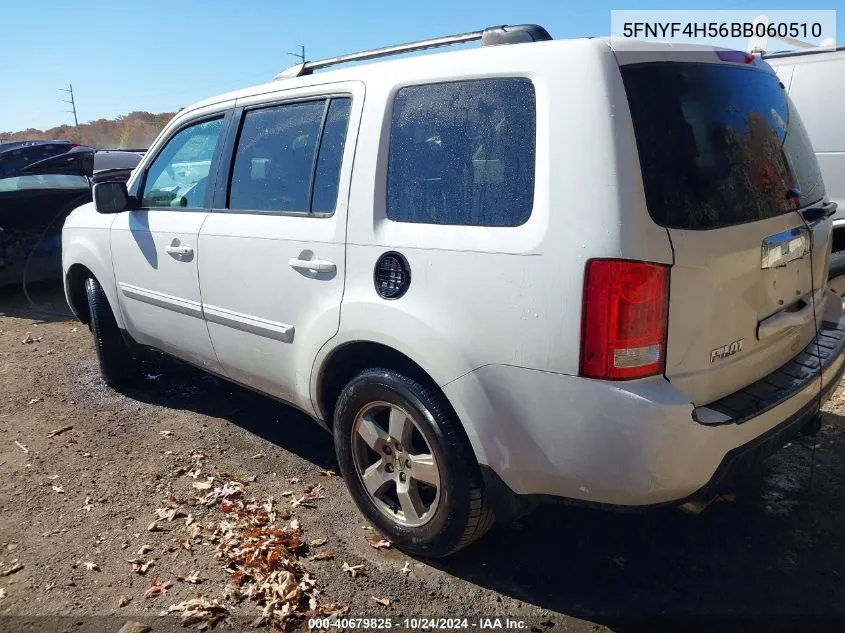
[
  {"x": 313, "y": 265},
  {"x": 180, "y": 251}
]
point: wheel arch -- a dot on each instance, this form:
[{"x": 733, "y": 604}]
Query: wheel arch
[{"x": 81, "y": 262}]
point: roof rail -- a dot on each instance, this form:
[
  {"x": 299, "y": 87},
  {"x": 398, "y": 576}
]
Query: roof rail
[
  {"x": 803, "y": 52},
  {"x": 489, "y": 37}
]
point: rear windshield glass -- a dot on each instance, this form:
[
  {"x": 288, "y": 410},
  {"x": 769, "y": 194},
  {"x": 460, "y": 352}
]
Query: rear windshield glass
[{"x": 718, "y": 145}]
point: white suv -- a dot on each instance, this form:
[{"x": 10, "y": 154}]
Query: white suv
[{"x": 577, "y": 270}]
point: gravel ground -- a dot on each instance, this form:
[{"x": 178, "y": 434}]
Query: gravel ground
[{"x": 89, "y": 494}]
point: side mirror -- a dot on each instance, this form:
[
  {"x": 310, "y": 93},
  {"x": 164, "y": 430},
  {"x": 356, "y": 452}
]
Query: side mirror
[{"x": 113, "y": 197}]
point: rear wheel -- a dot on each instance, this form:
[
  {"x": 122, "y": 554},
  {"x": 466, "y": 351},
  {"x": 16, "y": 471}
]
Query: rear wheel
[
  {"x": 116, "y": 363},
  {"x": 836, "y": 276},
  {"x": 408, "y": 465}
]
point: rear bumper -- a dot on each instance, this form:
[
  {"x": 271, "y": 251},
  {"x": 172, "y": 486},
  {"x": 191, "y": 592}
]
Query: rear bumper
[{"x": 543, "y": 437}]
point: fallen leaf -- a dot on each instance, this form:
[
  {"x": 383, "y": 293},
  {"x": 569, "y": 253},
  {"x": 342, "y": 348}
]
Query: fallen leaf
[
  {"x": 157, "y": 588},
  {"x": 2, "y": 593},
  {"x": 29, "y": 339},
  {"x": 382, "y": 601},
  {"x": 328, "y": 473},
  {"x": 258, "y": 456},
  {"x": 317, "y": 542},
  {"x": 155, "y": 527},
  {"x": 200, "y": 610},
  {"x": 34, "y": 400},
  {"x": 135, "y": 627},
  {"x": 294, "y": 524},
  {"x": 354, "y": 570},
  {"x": 124, "y": 600},
  {"x": 193, "y": 578},
  {"x": 204, "y": 485},
  {"x": 58, "y": 489},
  {"x": 189, "y": 519},
  {"x": 287, "y": 493},
  {"x": 87, "y": 505},
  {"x": 92, "y": 566},
  {"x": 324, "y": 555},
  {"x": 293, "y": 480},
  {"x": 165, "y": 433},
  {"x": 366, "y": 527},
  {"x": 380, "y": 543},
  {"x": 56, "y": 432},
  {"x": 168, "y": 514},
  {"x": 13, "y": 569},
  {"x": 406, "y": 568},
  {"x": 144, "y": 549},
  {"x": 140, "y": 565}
]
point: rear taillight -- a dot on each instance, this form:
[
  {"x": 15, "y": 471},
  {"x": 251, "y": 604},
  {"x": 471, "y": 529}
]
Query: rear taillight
[{"x": 623, "y": 334}]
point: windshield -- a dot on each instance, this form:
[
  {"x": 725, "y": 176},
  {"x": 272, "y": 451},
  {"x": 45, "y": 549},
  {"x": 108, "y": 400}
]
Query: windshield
[{"x": 718, "y": 144}]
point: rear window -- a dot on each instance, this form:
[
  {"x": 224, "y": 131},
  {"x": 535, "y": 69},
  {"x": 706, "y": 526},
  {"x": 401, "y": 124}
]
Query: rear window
[
  {"x": 462, "y": 153},
  {"x": 718, "y": 145}
]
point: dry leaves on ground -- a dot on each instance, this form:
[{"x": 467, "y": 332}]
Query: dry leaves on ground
[
  {"x": 158, "y": 588},
  {"x": 56, "y": 432},
  {"x": 168, "y": 514},
  {"x": 140, "y": 565},
  {"x": 200, "y": 610},
  {"x": 382, "y": 543},
  {"x": 382, "y": 601},
  {"x": 193, "y": 578},
  {"x": 324, "y": 555},
  {"x": 92, "y": 566},
  {"x": 318, "y": 542},
  {"x": 406, "y": 568},
  {"x": 354, "y": 570},
  {"x": 263, "y": 562}
]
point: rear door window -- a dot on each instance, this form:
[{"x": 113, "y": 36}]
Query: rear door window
[
  {"x": 718, "y": 144},
  {"x": 463, "y": 153},
  {"x": 289, "y": 157}
]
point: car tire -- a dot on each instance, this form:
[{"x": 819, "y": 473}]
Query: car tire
[
  {"x": 836, "y": 274},
  {"x": 117, "y": 365},
  {"x": 458, "y": 512}
]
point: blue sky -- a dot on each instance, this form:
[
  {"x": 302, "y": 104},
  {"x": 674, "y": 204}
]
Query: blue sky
[{"x": 159, "y": 55}]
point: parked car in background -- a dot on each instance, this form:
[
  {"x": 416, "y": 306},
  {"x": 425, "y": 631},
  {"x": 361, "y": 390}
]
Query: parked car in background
[
  {"x": 493, "y": 293},
  {"x": 40, "y": 183},
  {"x": 806, "y": 75}
]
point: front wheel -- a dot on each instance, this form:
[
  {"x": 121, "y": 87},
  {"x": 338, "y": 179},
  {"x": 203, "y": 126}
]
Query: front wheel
[
  {"x": 116, "y": 363},
  {"x": 408, "y": 464}
]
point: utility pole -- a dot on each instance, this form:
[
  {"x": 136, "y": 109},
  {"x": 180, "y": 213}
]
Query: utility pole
[
  {"x": 300, "y": 54},
  {"x": 72, "y": 103}
]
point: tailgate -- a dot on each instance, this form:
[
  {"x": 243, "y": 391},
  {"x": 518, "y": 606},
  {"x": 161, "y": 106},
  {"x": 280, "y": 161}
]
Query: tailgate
[{"x": 728, "y": 170}]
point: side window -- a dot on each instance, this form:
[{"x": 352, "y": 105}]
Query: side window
[
  {"x": 463, "y": 153},
  {"x": 288, "y": 157},
  {"x": 327, "y": 175},
  {"x": 178, "y": 177}
]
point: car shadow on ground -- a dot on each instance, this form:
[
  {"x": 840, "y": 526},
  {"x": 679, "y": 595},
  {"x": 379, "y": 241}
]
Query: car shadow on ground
[
  {"x": 47, "y": 305},
  {"x": 169, "y": 383},
  {"x": 775, "y": 552}
]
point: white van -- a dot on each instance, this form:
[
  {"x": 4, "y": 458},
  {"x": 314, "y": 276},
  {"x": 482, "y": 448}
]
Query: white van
[
  {"x": 815, "y": 80},
  {"x": 533, "y": 271}
]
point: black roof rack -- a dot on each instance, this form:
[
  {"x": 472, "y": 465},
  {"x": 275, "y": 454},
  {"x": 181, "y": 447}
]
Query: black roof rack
[
  {"x": 491, "y": 36},
  {"x": 805, "y": 51}
]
